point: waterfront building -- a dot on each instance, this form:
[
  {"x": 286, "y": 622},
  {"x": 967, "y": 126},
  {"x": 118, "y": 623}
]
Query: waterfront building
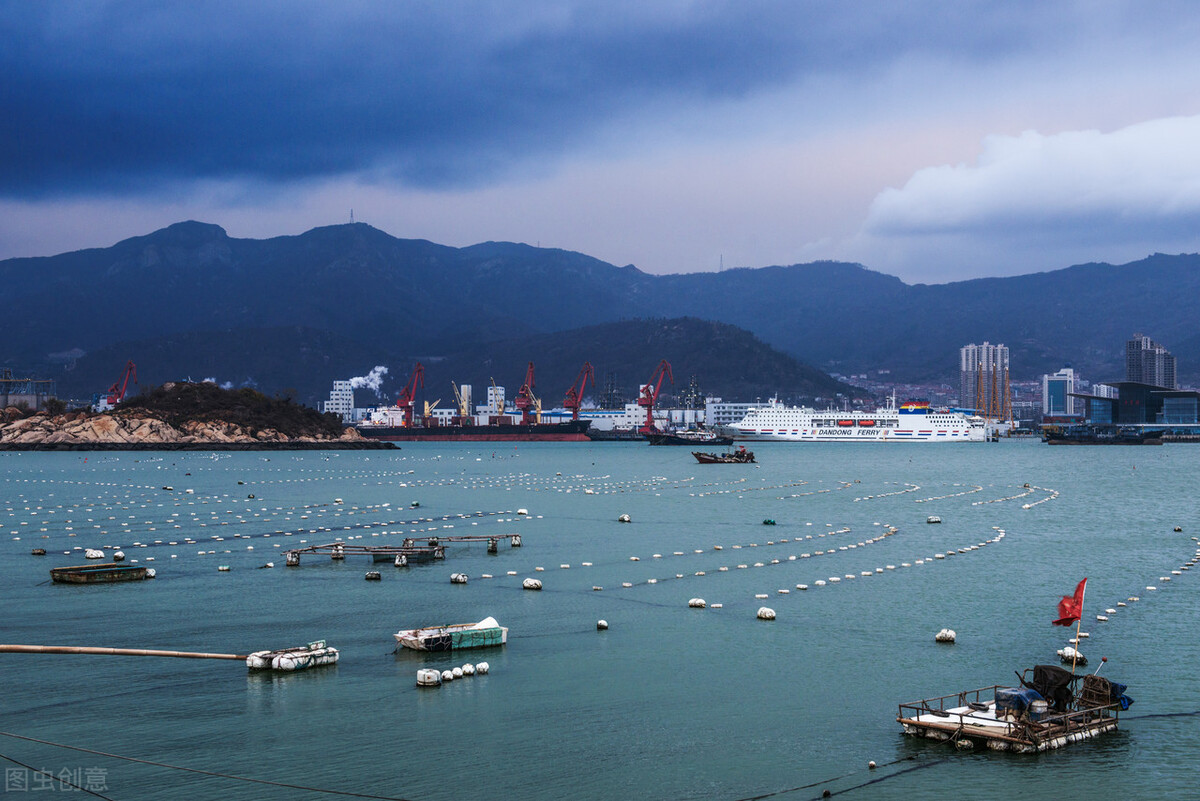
[
  {"x": 1058, "y": 393},
  {"x": 1147, "y": 362},
  {"x": 341, "y": 401},
  {"x": 983, "y": 379}
]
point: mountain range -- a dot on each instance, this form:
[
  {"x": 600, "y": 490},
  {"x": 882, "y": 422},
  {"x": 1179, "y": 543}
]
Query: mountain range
[{"x": 293, "y": 313}]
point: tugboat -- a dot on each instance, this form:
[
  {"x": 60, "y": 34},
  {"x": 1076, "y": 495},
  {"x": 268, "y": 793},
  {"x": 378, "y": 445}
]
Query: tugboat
[{"x": 739, "y": 456}]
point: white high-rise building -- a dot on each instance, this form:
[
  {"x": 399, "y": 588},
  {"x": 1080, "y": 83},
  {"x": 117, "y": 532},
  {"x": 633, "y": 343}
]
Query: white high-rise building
[{"x": 341, "y": 401}]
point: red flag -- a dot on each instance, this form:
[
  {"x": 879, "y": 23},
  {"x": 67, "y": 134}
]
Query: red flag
[{"x": 1070, "y": 608}]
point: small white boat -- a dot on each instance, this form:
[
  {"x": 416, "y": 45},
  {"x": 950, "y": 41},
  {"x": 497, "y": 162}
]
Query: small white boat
[{"x": 483, "y": 634}]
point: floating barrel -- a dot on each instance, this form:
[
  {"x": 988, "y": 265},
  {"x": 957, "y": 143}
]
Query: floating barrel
[
  {"x": 766, "y": 613},
  {"x": 373, "y": 575},
  {"x": 401, "y": 560},
  {"x": 481, "y": 667},
  {"x": 945, "y": 635},
  {"x": 93, "y": 553},
  {"x": 447, "y": 675},
  {"x": 428, "y": 678},
  {"x": 468, "y": 669},
  {"x": 458, "y": 578},
  {"x": 458, "y": 672},
  {"x": 624, "y": 519},
  {"x": 531, "y": 584},
  {"x": 697, "y": 603},
  {"x": 601, "y": 625},
  {"x": 493, "y": 545},
  {"x": 515, "y": 541},
  {"x": 118, "y": 556},
  {"x": 292, "y": 559}
]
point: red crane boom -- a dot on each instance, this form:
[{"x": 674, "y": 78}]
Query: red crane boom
[
  {"x": 649, "y": 394},
  {"x": 526, "y": 402},
  {"x": 116, "y": 393},
  {"x": 409, "y": 394},
  {"x": 575, "y": 394}
]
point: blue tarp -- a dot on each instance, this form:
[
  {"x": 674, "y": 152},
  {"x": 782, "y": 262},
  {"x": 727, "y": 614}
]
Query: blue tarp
[{"x": 1015, "y": 699}]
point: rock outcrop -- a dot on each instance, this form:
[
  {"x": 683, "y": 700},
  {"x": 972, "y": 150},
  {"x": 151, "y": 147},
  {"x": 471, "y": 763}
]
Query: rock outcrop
[{"x": 126, "y": 431}]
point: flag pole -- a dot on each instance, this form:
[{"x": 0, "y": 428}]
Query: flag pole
[{"x": 1078, "y": 623}]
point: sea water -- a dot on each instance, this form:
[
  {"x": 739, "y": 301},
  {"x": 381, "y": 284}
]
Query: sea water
[{"x": 670, "y": 702}]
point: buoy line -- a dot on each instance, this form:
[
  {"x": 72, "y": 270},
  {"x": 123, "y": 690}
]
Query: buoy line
[
  {"x": 215, "y": 774},
  {"x": 1026, "y": 494},
  {"x": 1163, "y": 581},
  {"x": 1053, "y": 494},
  {"x": 975, "y": 488},
  {"x": 910, "y": 488}
]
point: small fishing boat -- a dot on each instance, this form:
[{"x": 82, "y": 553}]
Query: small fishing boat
[
  {"x": 739, "y": 456},
  {"x": 483, "y": 634},
  {"x": 99, "y": 574},
  {"x": 1044, "y": 712}
]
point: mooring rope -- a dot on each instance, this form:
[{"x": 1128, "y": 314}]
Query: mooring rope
[
  {"x": 774, "y": 793},
  {"x": 201, "y": 772}
]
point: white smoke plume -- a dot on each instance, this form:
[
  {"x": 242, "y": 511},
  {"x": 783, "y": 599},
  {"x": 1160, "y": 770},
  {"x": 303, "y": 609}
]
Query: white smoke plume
[{"x": 372, "y": 380}]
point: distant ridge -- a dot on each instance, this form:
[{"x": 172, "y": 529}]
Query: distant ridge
[{"x": 377, "y": 294}]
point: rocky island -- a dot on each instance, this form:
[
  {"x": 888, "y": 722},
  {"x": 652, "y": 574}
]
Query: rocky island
[{"x": 183, "y": 416}]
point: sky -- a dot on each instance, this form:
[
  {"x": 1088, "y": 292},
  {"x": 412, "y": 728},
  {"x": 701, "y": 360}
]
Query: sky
[{"x": 934, "y": 141}]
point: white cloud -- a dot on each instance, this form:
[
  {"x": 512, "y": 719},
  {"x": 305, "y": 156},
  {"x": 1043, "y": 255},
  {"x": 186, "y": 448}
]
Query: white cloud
[{"x": 1047, "y": 199}]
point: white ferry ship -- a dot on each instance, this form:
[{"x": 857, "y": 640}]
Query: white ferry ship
[{"x": 911, "y": 422}]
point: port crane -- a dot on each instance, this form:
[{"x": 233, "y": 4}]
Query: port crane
[
  {"x": 526, "y": 402},
  {"x": 409, "y": 393},
  {"x": 116, "y": 393},
  {"x": 462, "y": 403},
  {"x": 648, "y": 395},
  {"x": 574, "y": 397}
]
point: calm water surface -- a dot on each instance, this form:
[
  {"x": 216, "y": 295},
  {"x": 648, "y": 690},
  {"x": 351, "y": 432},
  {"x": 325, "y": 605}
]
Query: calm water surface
[{"x": 670, "y": 702}]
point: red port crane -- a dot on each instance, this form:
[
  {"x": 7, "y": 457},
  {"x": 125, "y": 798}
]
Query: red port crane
[
  {"x": 649, "y": 395},
  {"x": 575, "y": 394},
  {"x": 526, "y": 402},
  {"x": 116, "y": 393},
  {"x": 409, "y": 394}
]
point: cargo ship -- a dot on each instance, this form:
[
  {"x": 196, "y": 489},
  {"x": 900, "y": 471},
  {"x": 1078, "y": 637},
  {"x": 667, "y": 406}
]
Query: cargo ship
[
  {"x": 911, "y": 422},
  {"x": 568, "y": 431}
]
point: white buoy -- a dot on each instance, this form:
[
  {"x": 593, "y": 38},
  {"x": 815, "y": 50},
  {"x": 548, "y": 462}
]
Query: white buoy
[
  {"x": 118, "y": 556},
  {"x": 522, "y": 511},
  {"x": 531, "y": 584},
  {"x": 457, "y": 672},
  {"x": 458, "y": 578},
  {"x": 766, "y": 613},
  {"x": 468, "y": 669},
  {"x": 945, "y": 635},
  {"x": 223, "y": 568},
  {"x": 447, "y": 675},
  {"x": 601, "y": 625},
  {"x": 93, "y": 553},
  {"x": 428, "y": 678},
  {"x": 697, "y": 603},
  {"x": 623, "y": 519}
]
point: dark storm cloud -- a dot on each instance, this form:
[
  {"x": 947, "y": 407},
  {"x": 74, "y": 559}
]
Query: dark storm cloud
[{"x": 123, "y": 97}]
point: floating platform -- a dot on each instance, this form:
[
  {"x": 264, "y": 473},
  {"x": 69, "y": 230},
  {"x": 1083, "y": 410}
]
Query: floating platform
[
  {"x": 315, "y": 654},
  {"x": 409, "y": 550},
  {"x": 1020, "y": 720}
]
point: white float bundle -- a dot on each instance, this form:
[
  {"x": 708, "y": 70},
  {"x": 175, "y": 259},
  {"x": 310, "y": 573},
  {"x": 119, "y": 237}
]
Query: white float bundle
[
  {"x": 1070, "y": 655},
  {"x": 315, "y": 654},
  {"x": 531, "y": 584},
  {"x": 431, "y": 677},
  {"x": 94, "y": 553},
  {"x": 945, "y": 635}
]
